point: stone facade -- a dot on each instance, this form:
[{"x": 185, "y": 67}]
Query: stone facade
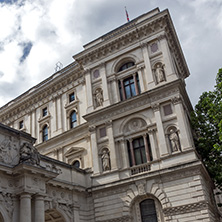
[{"x": 113, "y": 139}]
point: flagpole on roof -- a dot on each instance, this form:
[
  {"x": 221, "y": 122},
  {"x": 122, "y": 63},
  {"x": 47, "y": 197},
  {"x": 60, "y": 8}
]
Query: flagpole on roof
[{"x": 127, "y": 15}]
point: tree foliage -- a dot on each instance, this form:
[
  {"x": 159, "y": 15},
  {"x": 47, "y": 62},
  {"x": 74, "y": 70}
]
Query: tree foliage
[{"x": 207, "y": 123}]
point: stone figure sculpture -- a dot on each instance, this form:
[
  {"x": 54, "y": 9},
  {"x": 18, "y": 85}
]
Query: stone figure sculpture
[
  {"x": 105, "y": 160},
  {"x": 29, "y": 154},
  {"x": 174, "y": 140},
  {"x": 160, "y": 76},
  {"x": 99, "y": 97}
]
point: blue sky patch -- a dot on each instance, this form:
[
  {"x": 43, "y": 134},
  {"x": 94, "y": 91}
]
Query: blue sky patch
[{"x": 26, "y": 50}]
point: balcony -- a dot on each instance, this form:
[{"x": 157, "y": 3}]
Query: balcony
[{"x": 140, "y": 168}]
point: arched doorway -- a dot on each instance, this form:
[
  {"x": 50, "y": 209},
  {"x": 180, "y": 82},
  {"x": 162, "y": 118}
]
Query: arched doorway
[{"x": 53, "y": 215}]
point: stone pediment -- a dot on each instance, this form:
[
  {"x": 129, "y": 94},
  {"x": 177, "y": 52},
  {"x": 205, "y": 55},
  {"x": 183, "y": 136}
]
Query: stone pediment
[{"x": 73, "y": 151}]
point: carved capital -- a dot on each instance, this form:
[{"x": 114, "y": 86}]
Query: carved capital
[
  {"x": 176, "y": 100},
  {"x": 143, "y": 45},
  {"x": 92, "y": 129},
  {"x": 161, "y": 37},
  {"x": 156, "y": 107},
  {"x": 102, "y": 65},
  {"x": 108, "y": 123}
]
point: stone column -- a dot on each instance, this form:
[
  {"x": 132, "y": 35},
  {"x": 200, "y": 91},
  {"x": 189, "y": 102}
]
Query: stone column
[
  {"x": 139, "y": 71},
  {"x": 136, "y": 84},
  {"x": 166, "y": 55},
  {"x": 115, "y": 90},
  {"x": 148, "y": 69},
  {"x": 146, "y": 148},
  {"x": 16, "y": 209},
  {"x": 89, "y": 91},
  {"x": 184, "y": 135},
  {"x": 39, "y": 209},
  {"x": 125, "y": 157},
  {"x": 113, "y": 157},
  {"x": 132, "y": 152},
  {"x": 160, "y": 131},
  {"x": 25, "y": 208},
  {"x": 152, "y": 143},
  {"x": 94, "y": 149},
  {"x": 104, "y": 85},
  {"x": 123, "y": 90}
]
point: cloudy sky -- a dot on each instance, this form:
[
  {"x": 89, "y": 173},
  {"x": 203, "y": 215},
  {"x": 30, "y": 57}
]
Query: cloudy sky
[{"x": 36, "y": 34}]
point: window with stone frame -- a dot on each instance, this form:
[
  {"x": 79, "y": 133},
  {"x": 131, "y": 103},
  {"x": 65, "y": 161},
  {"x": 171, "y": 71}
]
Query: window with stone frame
[
  {"x": 71, "y": 97},
  {"x": 139, "y": 150},
  {"x": 45, "y": 133},
  {"x": 44, "y": 112},
  {"x": 128, "y": 86},
  {"x": 72, "y": 119}
]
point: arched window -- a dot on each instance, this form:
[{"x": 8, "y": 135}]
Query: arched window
[
  {"x": 45, "y": 135},
  {"x": 139, "y": 150},
  {"x": 148, "y": 211},
  {"x": 73, "y": 121},
  {"x": 76, "y": 164},
  {"x": 126, "y": 66}
]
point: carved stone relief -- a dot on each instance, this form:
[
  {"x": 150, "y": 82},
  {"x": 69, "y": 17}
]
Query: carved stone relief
[
  {"x": 9, "y": 150},
  {"x": 134, "y": 125},
  {"x": 98, "y": 97}
]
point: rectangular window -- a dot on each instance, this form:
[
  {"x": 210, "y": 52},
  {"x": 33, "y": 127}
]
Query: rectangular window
[
  {"x": 71, "y": 97},
  {"x": 130, "y": 87},
  {"x": 102, "y": 132},
  {"x": 167, "y": 110},
  {"x": 44, "y": 112},
  {"x": 21, "y": 124}
]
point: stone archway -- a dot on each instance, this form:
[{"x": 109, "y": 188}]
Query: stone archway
[{"x": 53, "y": 215}]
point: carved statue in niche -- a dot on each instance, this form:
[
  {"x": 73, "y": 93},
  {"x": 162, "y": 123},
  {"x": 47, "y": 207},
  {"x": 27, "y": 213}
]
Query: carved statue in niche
[
  {"x": 105, "y": 160},
  {"x": 99, "y": 97},
  {"x": 159, "y": 72},
  {"x": 174, "y": 140},
  {"x": 29, "y": 154}
]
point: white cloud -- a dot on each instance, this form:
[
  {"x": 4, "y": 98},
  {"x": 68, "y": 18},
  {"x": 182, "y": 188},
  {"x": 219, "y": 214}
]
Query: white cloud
[{"x": 58, "y": 29}]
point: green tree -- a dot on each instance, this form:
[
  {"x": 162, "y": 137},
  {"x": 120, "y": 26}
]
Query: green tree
[{"x": 207, "y": 123}]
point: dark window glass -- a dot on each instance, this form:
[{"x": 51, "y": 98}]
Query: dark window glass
[
  {"x": 21, "y": 124},
  {"x": 45, "y": 133},
  {"x": 126, "y": 66},
  {"x": 45, "y": 112},
  {"x": 71, "y": 97},
  {"x": 102, "y": 132},
  {"x": 76, "y": 164},
  {"x": 167, "y": 110},
  {"x": 73, "y": 121},
  {"x": 148, "y": 211},
  {"x": 139, "y": 151}
]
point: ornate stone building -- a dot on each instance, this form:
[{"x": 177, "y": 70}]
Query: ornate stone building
[{"x": 113, "y": 139}]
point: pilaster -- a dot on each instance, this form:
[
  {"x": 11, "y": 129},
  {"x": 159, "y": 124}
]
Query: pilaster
[
  {"x": 185, "y": 138},
  {"x": 113, "y": 157},
  {"x": 89, "y": 91},
  {"x": 104, "y": 85},
  {"x": 160, "y": 131},
  {"x": 94, "y": 149},
  {"x": 148, "y": 70},
  {"x": 39, "y": 209}
]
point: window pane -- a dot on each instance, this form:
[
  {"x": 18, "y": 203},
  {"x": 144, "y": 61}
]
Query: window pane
[
  {"x": 128, "y": 93},
  {"x": 133, "y": 90},
  {"x": 148, "y": 211},
  {"x": 73, "y": 122},
  {"x": 71, "y": 97},
  {"x": 45, "y": 133},
  {"x": 138, "y": 158},
  {"x": 44, "y": 112}
]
